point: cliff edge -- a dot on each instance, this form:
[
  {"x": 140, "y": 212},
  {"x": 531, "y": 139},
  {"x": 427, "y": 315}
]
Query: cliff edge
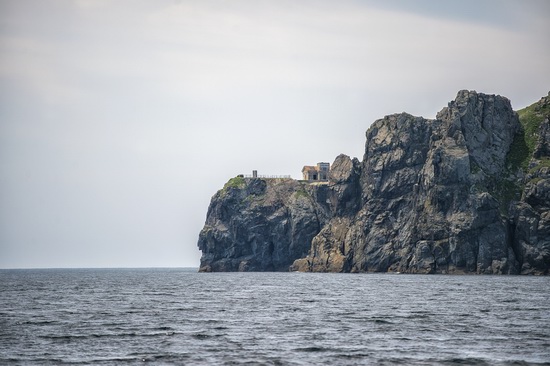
[{"x": 467, "y": 192}]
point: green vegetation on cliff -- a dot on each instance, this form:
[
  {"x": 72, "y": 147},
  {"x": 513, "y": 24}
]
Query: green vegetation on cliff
[
  {"x": 525, "y": 141},
  {"x": 237, "y": 182},
  {"x": 233, "y": 183},
  {"x": 521, "y": 151},
  {"x": 301, "y": 192},
  {"x": 519, "y": 154},
  {"x": 530, "y": 118}
]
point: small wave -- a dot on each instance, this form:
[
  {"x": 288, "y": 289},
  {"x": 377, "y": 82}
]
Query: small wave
[
  {"x": 37, "y": 322},
  {"x": 395, "y": 361},
  {"x": 311, "y": 349},
  {"x": 164, "y": 328},
  {"x": 464, "y": 361},
  {"x": 354, "y": 356},
  {"x": 202, "y": 336},
  {"x": 417, "y": 316},
  {"x": 381, "y": 321},
  {"x": 158, "y": 358},
  {"x": 69, "y": 337},
  {"x": 64, "y": 337}
]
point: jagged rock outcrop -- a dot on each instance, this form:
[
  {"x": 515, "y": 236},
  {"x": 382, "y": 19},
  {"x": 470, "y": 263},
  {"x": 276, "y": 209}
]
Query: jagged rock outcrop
[
  {"x": 457, "y": 194},
  {"x": 260, "y": 225}
]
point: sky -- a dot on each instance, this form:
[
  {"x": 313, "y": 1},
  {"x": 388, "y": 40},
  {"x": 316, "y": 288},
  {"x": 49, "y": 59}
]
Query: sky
[{"x": 119, "y": 120}]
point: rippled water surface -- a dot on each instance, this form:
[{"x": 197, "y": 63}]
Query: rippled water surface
[{"x": 177, "y": 316}]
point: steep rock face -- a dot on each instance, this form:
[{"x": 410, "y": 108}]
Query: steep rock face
[
  {"x": 530, "y": 219},
  {"x": 259, "y": 225},
  {"x": 425, "y": 201},
  {"x": 449, "y": 195},
  {"x": 328, "y": 248}
]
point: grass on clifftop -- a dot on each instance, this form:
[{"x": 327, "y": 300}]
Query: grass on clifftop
[
  {"x": 525, "y": 141},
  {"x": 531, "y": 117},
  {"x": 237, "y": 182},
  {"x": 521, "y": 151}
]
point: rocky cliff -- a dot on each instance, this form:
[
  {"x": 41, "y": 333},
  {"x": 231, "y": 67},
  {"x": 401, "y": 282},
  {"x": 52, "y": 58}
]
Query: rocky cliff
[{"x": 467, "y": 192}]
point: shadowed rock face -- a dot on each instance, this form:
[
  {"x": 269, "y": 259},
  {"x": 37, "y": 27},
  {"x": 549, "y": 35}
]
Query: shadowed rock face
[
  {"x": 430, "y": 196},
  {"x": 260, "y": 225}
]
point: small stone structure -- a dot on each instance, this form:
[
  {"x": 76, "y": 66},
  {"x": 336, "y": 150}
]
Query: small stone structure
[{"x": 317, "y": 173}]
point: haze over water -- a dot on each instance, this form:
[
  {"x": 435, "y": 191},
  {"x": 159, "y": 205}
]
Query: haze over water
[{"x": 178, "y": 316}]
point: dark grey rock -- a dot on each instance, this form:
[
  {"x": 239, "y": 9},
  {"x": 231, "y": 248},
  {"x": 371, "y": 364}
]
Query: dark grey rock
[
  {"x": 259, "y": 225},
  {"x": 430, "y": 196}
]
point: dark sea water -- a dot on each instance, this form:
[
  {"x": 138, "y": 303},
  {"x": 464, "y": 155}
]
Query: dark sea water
[{"x": 177, "y": 316}]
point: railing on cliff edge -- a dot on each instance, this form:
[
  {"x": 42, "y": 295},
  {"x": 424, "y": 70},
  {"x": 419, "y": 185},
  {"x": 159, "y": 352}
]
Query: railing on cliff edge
[{"x": 267, "y": 176}]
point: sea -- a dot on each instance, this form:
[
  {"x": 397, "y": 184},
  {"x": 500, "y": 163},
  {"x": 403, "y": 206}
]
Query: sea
[{"x": 181, "y": 317}]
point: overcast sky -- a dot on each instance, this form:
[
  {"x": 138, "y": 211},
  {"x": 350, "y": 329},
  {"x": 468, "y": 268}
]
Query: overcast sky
[{"x": 120, "y": 119}]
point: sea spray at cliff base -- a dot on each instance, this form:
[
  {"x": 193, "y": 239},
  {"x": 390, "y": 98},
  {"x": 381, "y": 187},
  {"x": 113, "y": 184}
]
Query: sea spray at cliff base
[{"x": 466, "y": 192}]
